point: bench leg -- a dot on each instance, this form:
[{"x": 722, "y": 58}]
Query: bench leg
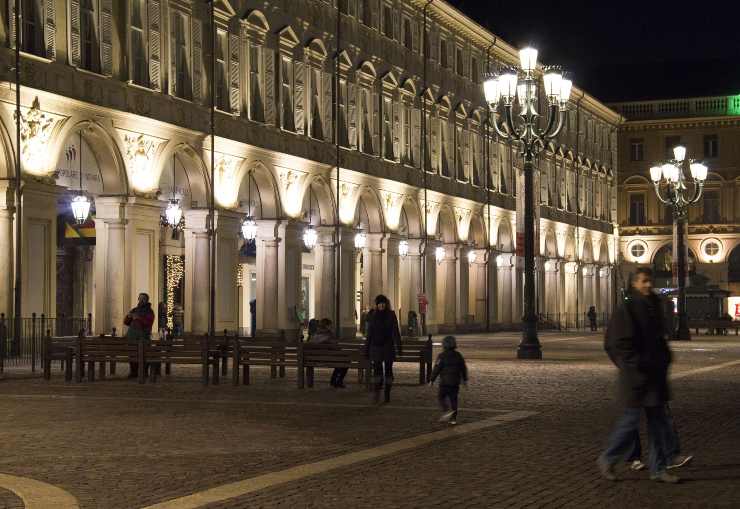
[
  {"x": 90, "y": 371},
  {"x": 112, "y": 367},
  {"x": 167, "y": 368},
  {"x": 245, "y": 374},
  {"x": 68, "y": 367},
  {"x": 309, "y": 381},
  {"x": 422, "y": 374},
  {"x": 216, "y": 359}
]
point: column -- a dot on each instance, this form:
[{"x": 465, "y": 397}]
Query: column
[
  {"x": 374, "y": 278},
  {"x": 517, "y": 307},
  {"x": 462, "y": 284},
  {"x": 7, "y": 212},
  {"x": 324, "y": 275},
  {"x": 348, "y": 294},
  {"x": 390, "y": 275},
  {"x": 197, "y": 271},
  {"x": 505, "y": 270},
  {"x": 551, "y": 290},
  {"x": 606, "y": 292},
  {"x": 227, "y": 230},
  {"x": 477, "y": 288},
  {"x": 596, "y": 292},
  {"x": 587, "y": 297},
  {"x": 571, "y": 291},
  {"x": 540, "y": 276},
  {"x": 268, "y": 286},
  {"x": 39, "y": 269},
  {"x": 434, "y": 314},
  {"x": 446, "y": 289},
  {"x": 290, "y": 251},
  {"x": 410, "y": 281},
  {"x": 126, "y": 258}
]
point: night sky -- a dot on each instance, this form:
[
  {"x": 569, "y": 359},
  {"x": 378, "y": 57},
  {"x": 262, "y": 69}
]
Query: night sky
[{"x": 626, "y": 50}]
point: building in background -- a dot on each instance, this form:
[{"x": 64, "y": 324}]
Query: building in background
[
  {"x": 709, "y": 127},
  {"x": 119, "y": 91}
]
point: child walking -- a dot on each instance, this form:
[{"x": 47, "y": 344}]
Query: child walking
[{"x": 451, "y": 370}]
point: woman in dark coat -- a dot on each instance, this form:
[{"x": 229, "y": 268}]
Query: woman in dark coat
[{"x": 383, "y": 339}]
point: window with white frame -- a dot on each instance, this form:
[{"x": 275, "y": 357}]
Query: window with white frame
[
  {"x": 181, "y": 53},
  {"x": 367, "y": 12},
  {"x": 343, "y": 100},
  {"x": 223, "y": 100},
  {"x": 387, "y": 21},
  {"x": 443, "y": 52},
  {"x": 459, "y": 62},
  {"x": 408, "y": 35},
  {"x": 33, "y": 27},
  {"x": 89, "y": 36},
  {"x": 317, "y": 130},
  {"x": 444, "y": 143},
  {"x": 287, "y": 114},
  {"x": 256, "y": 85},
  {"x": 137, "y": 30},
  {"x": 474, "y": 70},
  {"x": 366, "y": 121},
  {"x": 388, "y": 152},
  {"x": 460, "y": 144},
  {"x": 407, "y": 155}
]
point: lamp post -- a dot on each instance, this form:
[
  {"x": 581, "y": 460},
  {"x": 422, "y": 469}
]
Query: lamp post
[
  {"x": 670, "y": 182},
  {"x": 521, "y": 86}
]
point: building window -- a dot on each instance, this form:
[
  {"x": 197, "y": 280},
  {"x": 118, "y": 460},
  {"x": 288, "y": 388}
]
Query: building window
[
  {"x": 711, "y": 207},
  {"x": 711, "y": 146},
  {"x": 256, "y": 104},
  {"x": 459, "y": 62},
  {"x": 637, "y": 250},
  {"x": 637, "y": 209},
  {"x": 408, "y": 36},
  {"x": 445, "y": 147},
  {"x": 388, "y": 128},
  {"x": 637, "y": 150},
  {"x": 474, "y": 70},
  {"x": 223, "y": 101},
  {"x": 387, "y": 21},
  {"x": 670, "y": 143},
  {"x": 442, "y": 52},
  {"x": 367, "y": 12},
  {"x": 183, "y": 89},
  {"x": 408, "y": 157},
  {"x": 317, "y": 130},
  {"x": 459, "y": 154},
  {"x": 286, "y": 94},
  {"x": 343, "y": 107},
  {"x": 139, "y": 60},
  {"x": 366, "y": 116},
  {"x": 711, "y": 248},
  {"x": 32, "y": 28},
  {"x": 89, "y": 39}
]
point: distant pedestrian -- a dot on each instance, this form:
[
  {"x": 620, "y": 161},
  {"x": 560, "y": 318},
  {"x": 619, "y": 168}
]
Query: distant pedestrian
[
  {"x": 383, "y": 340},
  {"x": 592, "y": 318},
  {"x": 413, "y": 324},
  {"x": 253, "y": 317},
  {"x": 178, "y": 319},
  {"x": 139, "y": 321},
  {"x": 451, "y": 369},
  {"x": 636, "y": 343}
]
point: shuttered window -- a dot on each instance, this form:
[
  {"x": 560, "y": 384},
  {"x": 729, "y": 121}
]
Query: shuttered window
[
  {"x": 90, "y": 39},
  {"x": 223, "y": 99},
  {"x": 181, "y": 57},
  {"x": 139, "y": 61}
]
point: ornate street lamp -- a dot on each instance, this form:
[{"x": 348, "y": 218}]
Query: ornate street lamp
[
  {"x": 310, "y": 237},
  {"x": 173, "y": 213},
  {"x": 439, "y": 254},
  {"x": 521, "y": 85},
  {"x": 670, "y": 182},
  {"x": 80, "y": 203},
  {"x": 360, "y": 240},
  {"x": 471, "y": 257},
  {"x": 249, "y": 225}
]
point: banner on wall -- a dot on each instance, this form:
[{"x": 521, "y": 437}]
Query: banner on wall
[{"x": 72, "y": 233}]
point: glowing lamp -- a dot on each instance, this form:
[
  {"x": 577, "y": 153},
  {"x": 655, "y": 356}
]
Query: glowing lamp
[
  {"x": 360, "y": 241},
  {"x": 528, "y": 59},
  {"x": 403, "y": 248},
  {"x": 656, "y": 173},
  {"x": 679, "y": 153},
  {"x": 698, "y": 171},
  {"x": 249, "y": 228},
  {"x": 80, "y": 208},
  {"x": 491, "y": 90},
  {"x": 173, "y": 213},
  {"x": 439, "y": 254},
  {"x": 310, "y": 237},
  {"x": 471, "y": 257}
]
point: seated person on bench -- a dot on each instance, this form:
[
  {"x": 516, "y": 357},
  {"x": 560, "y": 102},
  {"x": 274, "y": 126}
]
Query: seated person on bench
[{"x": 324, "y": 336}]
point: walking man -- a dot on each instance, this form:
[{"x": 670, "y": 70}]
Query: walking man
[{"x": 636, "y": 343}]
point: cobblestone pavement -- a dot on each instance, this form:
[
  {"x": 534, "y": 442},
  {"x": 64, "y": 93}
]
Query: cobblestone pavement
[{"x": 116, "y": 444}]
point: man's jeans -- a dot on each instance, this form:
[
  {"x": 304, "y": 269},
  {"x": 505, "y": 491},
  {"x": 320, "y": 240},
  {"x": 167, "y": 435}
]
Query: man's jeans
[
  {"x": 673, "y": 446},
  {"x": 622, "y": 439}
]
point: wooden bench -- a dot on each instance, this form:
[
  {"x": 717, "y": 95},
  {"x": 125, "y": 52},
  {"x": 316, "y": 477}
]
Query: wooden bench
[
  {"x": 275, "y": 353},
  {"x": 418, "y": 351},
  {"x": 344, "y": 354},
  {"x": 106, "y": 350},
  {"x": 713, "y": 325},
  {"x": 62, "y": 349},
  {"x": 187, "y": 350}
]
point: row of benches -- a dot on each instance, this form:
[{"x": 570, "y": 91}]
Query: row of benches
[{"x": 213, "y": 355}]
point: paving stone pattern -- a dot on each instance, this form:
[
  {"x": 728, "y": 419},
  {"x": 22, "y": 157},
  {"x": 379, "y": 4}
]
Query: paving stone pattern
[{"x": 116, "y": 444}]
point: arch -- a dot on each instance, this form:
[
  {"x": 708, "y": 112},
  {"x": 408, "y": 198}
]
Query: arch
[
  {"x": 733, "y": 265},
  {"x": 570, "y": 245},
  {"x": 504, "y": 239},
  {"x": 714, "y": 177},
  {"x": 8, "y": 169},
  {"x": 636, "y": 179},
  {"x": 409, "y": 86},
  {"x": 104, "y": 147},
  {"x": 257, "y": 20},
  {"x": 317, "y": 47},
  {"x": 266, "y": 198},
  {"x": 411, "y": 213},
  {"x": 551, "y": 244},
  {"x": 446, "y": 225},
  {"x": 288, "y": 37},
  {"x": 319, "y": 192},
  {"x": 390, "y": 79},
  {"x": 370, "y": 200},
  {"x": 428, "y": 95},
  {"x": 368, "y": 68},
  {"x": 587, "y": 251},
  {"x": 444, "y": 102},
  {"x": 461, "y": 110},
  {"x": 194, "y": 167},
  {"x": 476, "y": 114},
  {"x": 477, "y": 233},
  {"x": 662, "y": 260},
  {"x": 603, "y": 251}
]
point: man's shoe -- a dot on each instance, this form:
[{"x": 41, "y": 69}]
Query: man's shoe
[
  {"x": 446, "y": 416},
  {"x": 637, "y": 465},
  {"x": 340, "y": 386},
  {"x": 607, "y": 470},
  {"x": 665, "y": 477},
  {"x": 453, "y": 422},
  {"x": 680, "y": 461}
]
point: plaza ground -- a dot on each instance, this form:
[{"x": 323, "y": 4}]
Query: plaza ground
[{"x": 528, "y": 436}]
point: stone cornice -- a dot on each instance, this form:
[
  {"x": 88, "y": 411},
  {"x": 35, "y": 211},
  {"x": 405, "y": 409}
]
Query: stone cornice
[
  {"x": 709, "y": 229},
  {"x": 680, "y": 123}
]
